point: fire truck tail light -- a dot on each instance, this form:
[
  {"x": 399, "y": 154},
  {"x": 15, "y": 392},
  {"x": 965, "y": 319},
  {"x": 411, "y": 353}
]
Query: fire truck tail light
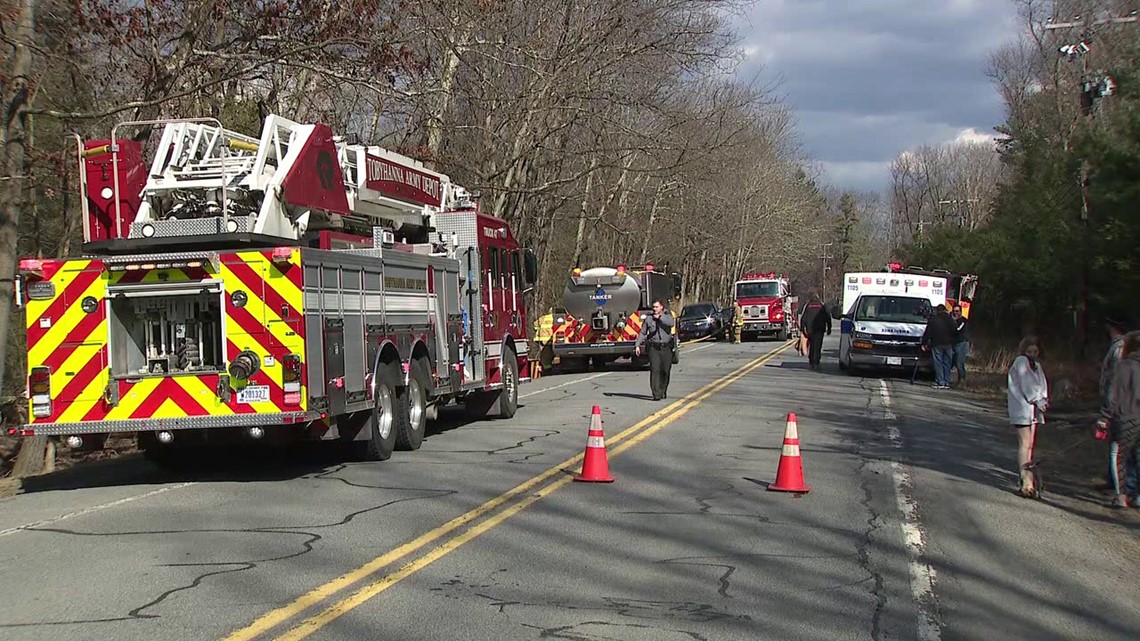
[
  {"x": 31, "y": 265},
  {"x": 282, "y": 254},
  {"x": 291, "y": 374},
  {"x": 39, "y": 390}
]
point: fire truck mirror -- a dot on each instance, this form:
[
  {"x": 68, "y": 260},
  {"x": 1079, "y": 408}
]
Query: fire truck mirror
[
  {"x": 676, "y": 284},
  {"x": 530, "y": 267}
]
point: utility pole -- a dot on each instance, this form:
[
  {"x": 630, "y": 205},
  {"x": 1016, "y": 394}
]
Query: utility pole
[
  {"x": 825, "y": 257},
  {"x": 1093, "y": 87},
  {"x": 960, "y": 203},
  {"x": 921, "y": 224}
]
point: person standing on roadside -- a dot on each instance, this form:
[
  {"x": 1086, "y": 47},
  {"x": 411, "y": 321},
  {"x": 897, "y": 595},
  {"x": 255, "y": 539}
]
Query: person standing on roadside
[
  {"x": 1123, "y": 418},
  {"x": 814, "y": 323},
  {"x": 737, "y": 322},
  {"x": 939, "y": 338},
  {"x": 656, "y": 337},
  {"x": 1117, "y": 325},
  {"x": 962, "y": 343},
  {"x": 1027, "y": 401}
]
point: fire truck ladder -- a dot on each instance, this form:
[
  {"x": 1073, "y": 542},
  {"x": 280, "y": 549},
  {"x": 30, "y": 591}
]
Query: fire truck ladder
[{"x": 207, "y": 180}]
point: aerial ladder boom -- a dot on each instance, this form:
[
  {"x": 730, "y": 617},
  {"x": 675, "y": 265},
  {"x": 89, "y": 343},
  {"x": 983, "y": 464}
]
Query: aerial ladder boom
[{"x": 208, "y": 184}]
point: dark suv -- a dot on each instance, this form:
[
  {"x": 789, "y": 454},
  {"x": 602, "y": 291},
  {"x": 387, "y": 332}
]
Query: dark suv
[{"x": 700, "y": 320}]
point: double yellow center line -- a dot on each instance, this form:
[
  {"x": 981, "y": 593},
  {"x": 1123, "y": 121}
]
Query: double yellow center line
[{"x": 625, "y": 440}]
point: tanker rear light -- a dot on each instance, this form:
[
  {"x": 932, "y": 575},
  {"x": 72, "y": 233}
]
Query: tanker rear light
[{"x": 39, "y": 391}]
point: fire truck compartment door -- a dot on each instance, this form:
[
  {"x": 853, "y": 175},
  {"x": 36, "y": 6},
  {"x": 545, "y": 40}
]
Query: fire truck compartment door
[{"x": 334, "y": 365}]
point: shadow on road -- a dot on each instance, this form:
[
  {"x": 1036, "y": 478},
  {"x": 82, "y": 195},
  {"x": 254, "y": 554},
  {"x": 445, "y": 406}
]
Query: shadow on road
[
  {"x": 243, "y": 463},
  {"x": 640, "y": 397}
]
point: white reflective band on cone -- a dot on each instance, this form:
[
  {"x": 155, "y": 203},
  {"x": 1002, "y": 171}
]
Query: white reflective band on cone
[
  {"x": 595, "y": 441},
  {"x": 791, "y": 450},
  {"x": 793, "y": 431}
]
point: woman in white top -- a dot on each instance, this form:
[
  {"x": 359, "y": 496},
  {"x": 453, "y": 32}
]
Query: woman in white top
[{"x": 1028, "y": 401}]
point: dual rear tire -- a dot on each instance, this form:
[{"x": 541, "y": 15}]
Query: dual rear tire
[{"x": 400, "y": 415}]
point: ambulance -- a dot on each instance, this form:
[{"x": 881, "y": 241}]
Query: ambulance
[{"x": 883, "y": 317}]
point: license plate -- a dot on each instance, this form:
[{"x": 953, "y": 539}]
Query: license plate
[
  {"x": 894, "y": 360},
  {"x": 254, "y": 394}
]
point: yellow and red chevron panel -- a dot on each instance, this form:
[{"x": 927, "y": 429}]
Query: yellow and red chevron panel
[
  {"x": 74, "y": 343},
  {"x": 576, "y": 331}
]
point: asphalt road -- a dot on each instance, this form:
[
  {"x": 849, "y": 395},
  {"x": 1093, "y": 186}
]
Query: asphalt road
[{"x": 910, "y": 530}]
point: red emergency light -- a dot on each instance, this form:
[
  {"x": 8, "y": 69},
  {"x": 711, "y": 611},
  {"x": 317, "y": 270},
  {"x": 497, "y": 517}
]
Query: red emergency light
[
  {"x": 649, "y": 267},
  {"x": 894, "y": 267}
]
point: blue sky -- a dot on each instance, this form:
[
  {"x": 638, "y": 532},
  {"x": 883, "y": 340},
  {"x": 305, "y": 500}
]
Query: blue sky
[{"x": 869, "y": 79}]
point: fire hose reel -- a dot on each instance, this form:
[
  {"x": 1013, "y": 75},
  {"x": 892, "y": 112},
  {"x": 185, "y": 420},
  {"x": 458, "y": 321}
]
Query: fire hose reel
[{"x": 244, "y": 365}]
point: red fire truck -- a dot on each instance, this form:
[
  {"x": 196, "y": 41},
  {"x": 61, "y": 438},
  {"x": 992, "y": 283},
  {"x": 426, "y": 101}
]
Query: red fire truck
[
  {"x": 767, "y": 305},
  {"x": 292, "y": 286}
]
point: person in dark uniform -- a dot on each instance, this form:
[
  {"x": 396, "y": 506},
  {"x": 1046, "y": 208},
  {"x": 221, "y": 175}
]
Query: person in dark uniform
[
  {"x": 815, "y": 322},
  {"x": 656, "y": 337},
  {"x": 962, "y": 342}
]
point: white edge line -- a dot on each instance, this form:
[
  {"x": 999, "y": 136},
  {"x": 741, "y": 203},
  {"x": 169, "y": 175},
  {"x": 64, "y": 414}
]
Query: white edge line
[
  {"x": 566, "y": 384},
  {"x": 921, "y": 573},
  {"x": 94, "y": 508}
]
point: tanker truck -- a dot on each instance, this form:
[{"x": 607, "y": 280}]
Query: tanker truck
[{"x": 604, "y": 308}]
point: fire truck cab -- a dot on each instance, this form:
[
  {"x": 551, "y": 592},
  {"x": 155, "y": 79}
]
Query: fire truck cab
[{"x": 767, "y": 305}]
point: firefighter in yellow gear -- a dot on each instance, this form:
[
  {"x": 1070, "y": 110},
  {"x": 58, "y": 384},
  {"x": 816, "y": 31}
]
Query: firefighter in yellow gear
[{"x": 737, "y": 322}]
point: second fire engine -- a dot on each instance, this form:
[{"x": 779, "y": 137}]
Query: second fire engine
[{"x": 767, "y": 305}]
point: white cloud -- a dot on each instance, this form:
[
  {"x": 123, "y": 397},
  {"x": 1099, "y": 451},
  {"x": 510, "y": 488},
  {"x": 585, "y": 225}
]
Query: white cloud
[
  {"x": 972, "y": 136},
  {"x": 871, "y": 78}
]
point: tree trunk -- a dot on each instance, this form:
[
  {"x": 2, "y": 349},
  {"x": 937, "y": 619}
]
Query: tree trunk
[
  {"x": 580, "y": 238},
  {"x": 16, "y": 91},
  {"x": 649, "y": 225}
]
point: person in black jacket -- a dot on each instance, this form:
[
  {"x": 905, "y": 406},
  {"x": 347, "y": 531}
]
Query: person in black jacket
[
  {"x": 962, "y": 344},
  {"x": 939, "y": 338},
  {"x": 814, "y": 322}
]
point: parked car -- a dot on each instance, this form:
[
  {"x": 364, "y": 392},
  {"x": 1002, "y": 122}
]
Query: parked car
[{"x": 700, "y": 320}]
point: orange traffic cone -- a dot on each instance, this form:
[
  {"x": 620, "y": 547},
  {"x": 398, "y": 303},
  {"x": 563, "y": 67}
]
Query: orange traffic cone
[
  {"x": 595, "y": 465},
  {"x": 790, "y": 473}
]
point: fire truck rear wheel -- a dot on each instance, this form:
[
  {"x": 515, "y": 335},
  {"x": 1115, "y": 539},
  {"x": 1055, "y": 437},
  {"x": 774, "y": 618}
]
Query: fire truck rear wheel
[
  {"x": 782, "y": 335},
  {"x": 382, "y": 423},
  {"x": 413, "y": 407}
]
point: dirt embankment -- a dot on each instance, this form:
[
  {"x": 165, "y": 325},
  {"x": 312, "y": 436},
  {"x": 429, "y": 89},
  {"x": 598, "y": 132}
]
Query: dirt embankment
[{"x": 116, "y": 446}]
